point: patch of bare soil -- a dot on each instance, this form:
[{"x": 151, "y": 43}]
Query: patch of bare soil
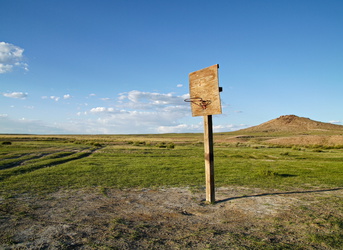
[{"x": 172, "y": 218}]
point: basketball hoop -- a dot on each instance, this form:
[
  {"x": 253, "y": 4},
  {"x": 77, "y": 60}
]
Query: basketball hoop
[{"x": 199, "y": 101}]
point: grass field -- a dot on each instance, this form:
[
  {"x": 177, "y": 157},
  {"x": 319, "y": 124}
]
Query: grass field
[
  {"x": 39, "y": 165},
  {"x": 49, "y": 164}
]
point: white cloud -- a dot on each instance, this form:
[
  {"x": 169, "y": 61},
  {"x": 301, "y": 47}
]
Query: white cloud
[
  {"x": 147, "y": 100},
  {"x": 135, "y": 112},
  {"x": 180, "y": 128},
  {"x": 198, "y": 128},
  {"x": 335, "y": 122},
  {"x": 228, "y": 127},
  {"x": 11, "y": 56},
  {"x": 27, "y": 126},
  {"x": 98, "y": 110},
  {"x": 5, "y": 68},
  {"x": 55, "y": 98},
  {"x": 18, "y": 95},
  {"x": 121, "y": 122},
  {"x": 103, "y": 110},
  {"x": 179, "y": 85},
  {"x": 144, "y": 112}
]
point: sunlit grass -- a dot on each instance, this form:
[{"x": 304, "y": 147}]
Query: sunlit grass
[{"x": 54, "y": 165}]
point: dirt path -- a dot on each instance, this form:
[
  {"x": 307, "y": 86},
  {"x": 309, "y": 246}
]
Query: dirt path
[{"x": 173, "y": 218}]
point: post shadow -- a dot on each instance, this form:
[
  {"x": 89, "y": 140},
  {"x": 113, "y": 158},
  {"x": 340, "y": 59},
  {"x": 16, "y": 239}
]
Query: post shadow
[{"x": 279, "y": 193}]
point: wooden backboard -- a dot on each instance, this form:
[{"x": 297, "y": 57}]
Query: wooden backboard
[{"x": 204, "y": 91}]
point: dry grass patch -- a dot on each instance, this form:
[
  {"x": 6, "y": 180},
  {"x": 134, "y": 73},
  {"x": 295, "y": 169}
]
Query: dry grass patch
[{"x": 244, "y": 218}]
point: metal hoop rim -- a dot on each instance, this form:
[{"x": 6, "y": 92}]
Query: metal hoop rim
[
  {"x": 202, "y": 103},
  {"x": 193, "y": 98}
]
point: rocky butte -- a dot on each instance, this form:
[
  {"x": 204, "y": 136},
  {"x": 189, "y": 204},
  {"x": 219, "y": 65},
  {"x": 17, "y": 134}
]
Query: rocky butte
[{"x": 295, "y": 124}]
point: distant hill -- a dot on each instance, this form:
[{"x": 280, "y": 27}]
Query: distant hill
[
  {"x": 291, "y": 130},
  {"x": 293, "y": 124}
]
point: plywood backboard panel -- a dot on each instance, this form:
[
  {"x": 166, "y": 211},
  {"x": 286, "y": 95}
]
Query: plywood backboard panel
[{"x": 204, "y": 91}]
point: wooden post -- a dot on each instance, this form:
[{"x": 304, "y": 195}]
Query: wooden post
[
  {"x": 205, "y": 101},
  {"x": 209, "y": 158}
]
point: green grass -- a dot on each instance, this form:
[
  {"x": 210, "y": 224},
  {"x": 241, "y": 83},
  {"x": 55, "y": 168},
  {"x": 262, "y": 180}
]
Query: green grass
[{"x": 48, "y": 165}]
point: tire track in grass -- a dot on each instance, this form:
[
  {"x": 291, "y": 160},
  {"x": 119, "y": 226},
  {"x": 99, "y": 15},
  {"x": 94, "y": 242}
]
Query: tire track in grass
[
  {"x": 19, "y": 160},
  {"x": 48, "y": 161},
  {"x": 29, "y": 158}
]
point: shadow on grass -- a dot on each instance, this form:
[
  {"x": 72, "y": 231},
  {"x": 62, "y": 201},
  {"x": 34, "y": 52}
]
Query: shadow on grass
[
  {"x": 287, "y": 175},
  {"x": 279, "y": 193}
]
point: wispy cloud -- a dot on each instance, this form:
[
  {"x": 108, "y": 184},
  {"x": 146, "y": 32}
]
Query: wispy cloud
[
  {"x": 197, "y": 128},
  {"x": 57, "y": 98},
  {"x": 137, "y": 112},
  {"x": 28, "y": 126},
  {"x": 17, "y": 95},
  {"x": 130, "y": 113},
  {"x": 336, "y": 122},
  {"x": 103, "y": 110},
  {"x": 180, "y": 128},
  {"x": 149, "y": 100},
  {"x": 228, "y": 127},
  {"x": 143, "y": 112},
  {"x": 11, "y": 56}
]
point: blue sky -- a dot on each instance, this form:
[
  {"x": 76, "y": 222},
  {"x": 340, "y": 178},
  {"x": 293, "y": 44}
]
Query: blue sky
[{"x": 121, "y": 67}]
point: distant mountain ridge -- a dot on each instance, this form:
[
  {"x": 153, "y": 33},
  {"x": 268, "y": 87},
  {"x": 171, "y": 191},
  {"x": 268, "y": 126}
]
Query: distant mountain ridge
[{"x": 293, "y": 123}]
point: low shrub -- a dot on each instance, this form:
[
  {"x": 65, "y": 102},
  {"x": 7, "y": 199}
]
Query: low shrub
[
  {"x": 267, "y": 173},
  {"x": 161, "y": 145},
  {"x": 285, "y": 154},
  {"x": 139, "y": 143},
  {"x": 170, "y": 145}
]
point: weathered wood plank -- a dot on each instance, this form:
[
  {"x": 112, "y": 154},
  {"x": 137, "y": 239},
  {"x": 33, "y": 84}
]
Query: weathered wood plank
[{"x": 204, "y": 91}]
